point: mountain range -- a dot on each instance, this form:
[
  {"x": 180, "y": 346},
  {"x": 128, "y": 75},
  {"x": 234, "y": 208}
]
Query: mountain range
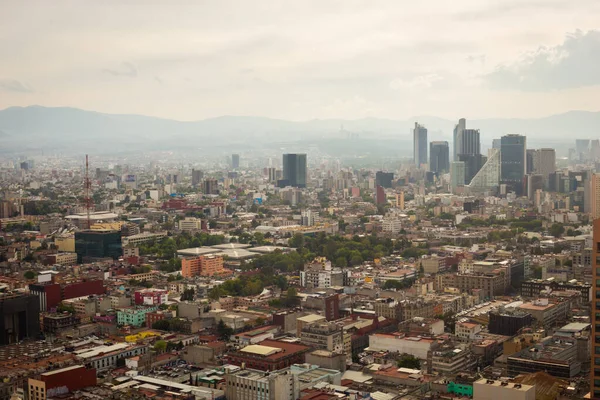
[{"x": 33, "y": 128}]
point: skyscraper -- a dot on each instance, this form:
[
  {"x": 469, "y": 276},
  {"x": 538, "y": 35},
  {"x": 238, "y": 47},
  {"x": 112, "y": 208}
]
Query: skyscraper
[
  {"x": 582, "y": 147},
  {"x": 294, "y": 170},
  {"x": 439, "y": 157},
  {"x": 595, "y": 372},
  {"x": 420, "y": 145},
  {"x": 469, "y": 140},
  {"x": 384, "y": 179},
  {"x": 595, "y": 196},
  {"x": 235, "y": 161},
  {"x": 513, "y": 162},
  {"x": 531, "y": 153},
  {"x": 544, "y": 163},
  {"x": 380, "y": 197},
  {"x": 473, "y": 163},
  {"x": 197, "y": 177},
  {"x": 488, "y": 176},
  {"x": 457, "y": 137},
  {"x": 457, "y": 175}
]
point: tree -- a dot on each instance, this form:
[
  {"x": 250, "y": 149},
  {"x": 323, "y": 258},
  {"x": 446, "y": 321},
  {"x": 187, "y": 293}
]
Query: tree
[
  {"x": 297, "y": 241},
  {"x": 557, "y": 230},
  {"x": 30, "y": 274},
  {"x": 409, "y": 361},
  {"x": 162, "y": 325},
  {"x": 224, "y": 331},
  {"x": 188, "y": 295},
  {"x": 160, "y": 346}
]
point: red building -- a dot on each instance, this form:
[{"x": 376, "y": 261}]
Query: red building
[
  {"x": 152, "y": 317},
  {"x": 150, "y": 296},
  {"x": 61, "y": 381},
  {"x": 51, "y": 294},
  {"x": 269, "y": 355}
]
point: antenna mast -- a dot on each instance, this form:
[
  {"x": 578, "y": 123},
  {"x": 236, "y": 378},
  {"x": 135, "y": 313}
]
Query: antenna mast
[{"x": 88, "y": 199}]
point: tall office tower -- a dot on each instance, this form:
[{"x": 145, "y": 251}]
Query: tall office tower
[
  {"x": 544, "y": 163},
  {"x": 457, "y": 175},
  {"x": 420, "y": 145},
  {"x": 496, "y": 144},
  {"x": 488, "y": 176},
  {"x": 197, "y": 177},
  {"x": 582, "y": 147},
  {"x": 456, "y": 137},
  {"x": 595, "y": 149},
  {"x": 535, "y": 182},
  {"x": 210, "y": 186},
  {"x": 594, "y": 200},
  {"x": 595, "y": 372},
  {"x": 439, "y": 157},
  {"x": 294, "y": 170},
  {"x": 380, "y": 197},
  {"x": 272, "y": 172},
  {"x": 473, "y": 163},
  {"x": 513, "y": 160},
  {"x": 384, "y": 179},
  {"x": 531, "y": 153},
  {"x": 235, "y": 161},
  {"x": 470, "y": 142}
]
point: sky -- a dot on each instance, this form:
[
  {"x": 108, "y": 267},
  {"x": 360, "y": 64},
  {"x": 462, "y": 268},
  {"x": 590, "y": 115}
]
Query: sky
[{"x": 300, "y": 60}]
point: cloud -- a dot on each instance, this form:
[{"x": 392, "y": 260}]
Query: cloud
[
  {"x": 572, "y": 64},
  {"x": 157, "y": 79},
  {"x": 127, "y": 69},
  {"x": 418, "y": 82},
  {"x": 13, "y": 85}
]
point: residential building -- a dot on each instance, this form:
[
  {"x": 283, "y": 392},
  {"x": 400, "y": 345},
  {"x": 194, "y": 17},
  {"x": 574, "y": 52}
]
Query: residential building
[
  {"x": 105, "y": 357},
  {"x": 151, "y": 296},
  {"x": 209, "y": 265},
  {"x": 401, "y": 343},
  {"x": 134, "y": 316},
  {"x": 548, "y": 312},
  {"x": 595, "y": 361},
  {"x": 433, "y": 264},
  {"x": 320, "y": 274},
  {"x": 324, "y": 336},
  {"x": 268, "y": 355},
  {"x": 60, "y": 382},
  {"x": 486, "y": 389},
  {"x": 189, "y": 224}
]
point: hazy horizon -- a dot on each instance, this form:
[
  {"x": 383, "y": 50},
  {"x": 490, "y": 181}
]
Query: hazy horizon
[{"x": 190, "y": 61}]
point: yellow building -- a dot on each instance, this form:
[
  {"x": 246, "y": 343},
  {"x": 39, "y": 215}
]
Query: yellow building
[{"x": 65, "y": 243}]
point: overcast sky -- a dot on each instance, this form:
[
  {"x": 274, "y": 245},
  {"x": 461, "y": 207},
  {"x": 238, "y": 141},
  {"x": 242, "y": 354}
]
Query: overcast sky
[{"x": 303, "y": 59}]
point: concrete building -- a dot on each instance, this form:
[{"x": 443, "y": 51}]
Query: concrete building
[
  {"x": 546, "y": 312},
  {"x": 20, "y": 317},
  {"x": 294, "y": 170},
  {"x": 439, "y": 157},
  {"x": 457, "y": 175},
  {"x": 60, "y": 382},
  {"x": 485, "y": 389},
  {"x": 189, "y": 224},
  {"x": 433, "y": 264},
  {"x": 513, "y": 162},
  {"x": 209, "y": 265},
  {"x": 401, "y": 343},
  {"x": 595, "y": 359},
  {"x": 268, "y": 355},
  {"x": 320, "y": 274},
  {"x": 134, "y": 316},
  {"x": 325, "y": 336}
]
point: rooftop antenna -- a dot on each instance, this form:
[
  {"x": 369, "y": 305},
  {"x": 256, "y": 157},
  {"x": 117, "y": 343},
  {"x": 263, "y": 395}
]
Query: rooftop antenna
[{"x": 88, "y": 199}]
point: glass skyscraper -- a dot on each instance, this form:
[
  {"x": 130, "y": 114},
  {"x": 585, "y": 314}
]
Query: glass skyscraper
[
  {"x": 420, "y": 145},
  {"x": 513, "y": 156},
  {"x": 294, "y": 170},
  {"x": 439, "y": 157}
]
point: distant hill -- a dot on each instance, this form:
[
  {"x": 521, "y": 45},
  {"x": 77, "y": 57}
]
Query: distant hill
[{"x": 36, "y": 127}]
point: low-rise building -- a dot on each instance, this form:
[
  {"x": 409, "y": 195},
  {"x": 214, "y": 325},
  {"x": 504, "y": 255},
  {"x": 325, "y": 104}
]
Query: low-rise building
[
  {"x": 486, "y": 389},
  {"x": 134, "y": 316}
]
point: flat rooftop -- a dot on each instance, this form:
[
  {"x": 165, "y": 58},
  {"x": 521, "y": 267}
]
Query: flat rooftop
[
  {"x": 198, "y": 251},
  {"x": 261, "y": 350}
]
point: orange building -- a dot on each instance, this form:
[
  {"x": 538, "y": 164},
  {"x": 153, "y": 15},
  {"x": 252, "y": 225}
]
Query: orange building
[{"x": 202, "y": 265}]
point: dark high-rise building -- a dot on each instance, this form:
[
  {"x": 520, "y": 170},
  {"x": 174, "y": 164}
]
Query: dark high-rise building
[
  {"x": 531, "y": 154},
  {"x": 439, "y": 157},
  {"x": 473, "y": 163},
  {"x": 420, "y": 145},
  {"x": 98, "y": 244},
  {"x": 595, "y": 371},
  {"x": 508, "y": 323},
  {"x": 20, "y": 317},
  {"x": 197, "y": 177},
  {"x": 294, "y": 170},
  {"x": 235, "y": 161},
  {"x": 384, "y": 179},
  {"x": 469, "y": 141},
  {"x": 513, "y": 162},
  {"x": 210, "y": 186},
  {"x": 534, "y": 182}
]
